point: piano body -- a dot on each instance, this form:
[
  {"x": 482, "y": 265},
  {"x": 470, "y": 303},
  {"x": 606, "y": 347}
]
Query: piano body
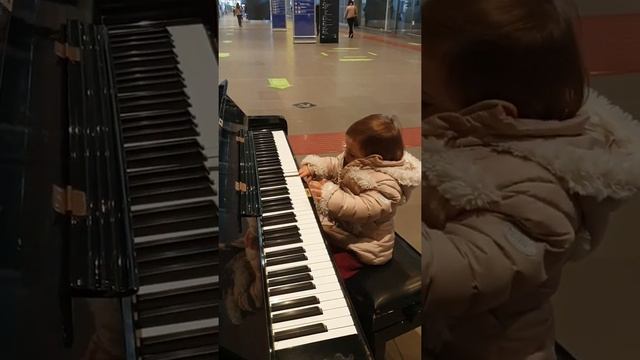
[
  {"x": 109, "y": 162},
  {"x": 282, "y": 297}
]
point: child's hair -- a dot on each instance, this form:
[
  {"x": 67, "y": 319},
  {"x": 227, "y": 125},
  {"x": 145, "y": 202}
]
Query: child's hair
[
  {"x": 522, "y": 51},
  {"x": 378, "y": 134}
]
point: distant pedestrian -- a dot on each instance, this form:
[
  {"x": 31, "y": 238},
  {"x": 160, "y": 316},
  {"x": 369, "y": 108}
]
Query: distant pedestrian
[
  {"x": 237, "y": 12},
  {"x": 351, "y": 14}
]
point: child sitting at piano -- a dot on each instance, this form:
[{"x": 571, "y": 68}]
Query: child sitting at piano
[{"x": 357, "y": 192}]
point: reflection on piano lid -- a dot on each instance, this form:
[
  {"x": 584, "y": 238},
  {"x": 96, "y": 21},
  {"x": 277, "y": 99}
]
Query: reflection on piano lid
[{"x": 306, "y": 313}]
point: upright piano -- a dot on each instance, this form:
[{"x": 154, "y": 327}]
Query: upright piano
[
  {"x": 282, "y": 297},
  {"x": 109, "y": 163}
]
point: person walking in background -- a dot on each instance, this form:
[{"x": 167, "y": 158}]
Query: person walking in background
[
  {"x": 237, "y": 12},
  {"x": 351, "y": 14}
]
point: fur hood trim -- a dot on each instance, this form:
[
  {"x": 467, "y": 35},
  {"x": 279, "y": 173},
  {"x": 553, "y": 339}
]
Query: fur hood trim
[{"x": 602, "y": 163}]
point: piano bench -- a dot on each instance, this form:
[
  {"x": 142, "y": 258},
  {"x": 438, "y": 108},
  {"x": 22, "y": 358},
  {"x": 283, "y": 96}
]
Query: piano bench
[{"x": 388, "y": 298}]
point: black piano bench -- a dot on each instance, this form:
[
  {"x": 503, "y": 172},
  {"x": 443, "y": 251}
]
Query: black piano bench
[{"x": 387, "y": 298}]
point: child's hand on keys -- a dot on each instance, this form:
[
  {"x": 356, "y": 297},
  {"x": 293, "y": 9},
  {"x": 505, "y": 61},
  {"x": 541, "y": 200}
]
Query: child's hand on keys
[
  {"x": 305, "y": 173},
  {"x": 316, "y": 188}
]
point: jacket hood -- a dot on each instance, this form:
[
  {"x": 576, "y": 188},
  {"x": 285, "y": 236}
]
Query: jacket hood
[
  {"x": 595, "y": 154},
  {"x": 405, "y": 171}
]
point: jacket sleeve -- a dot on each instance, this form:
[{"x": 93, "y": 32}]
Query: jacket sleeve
[
  {"x": 326, "y": 167},
  {"x": 368, "y": 206},
  {"x": 478, "y": 262}
]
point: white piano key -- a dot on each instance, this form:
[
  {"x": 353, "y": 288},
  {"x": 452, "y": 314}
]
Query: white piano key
[{"x": 178, "y": 327}]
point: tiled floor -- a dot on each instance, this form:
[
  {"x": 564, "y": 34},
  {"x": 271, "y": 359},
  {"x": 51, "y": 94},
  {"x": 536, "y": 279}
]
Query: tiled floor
[
  {"x": 387, "y": 82},
  {"x": 597, "y": 307}
]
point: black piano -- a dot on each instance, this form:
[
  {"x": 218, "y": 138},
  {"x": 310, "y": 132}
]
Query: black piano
[
  {"x": 109, "y": 163},
  {"x": 282, "y": 297}
]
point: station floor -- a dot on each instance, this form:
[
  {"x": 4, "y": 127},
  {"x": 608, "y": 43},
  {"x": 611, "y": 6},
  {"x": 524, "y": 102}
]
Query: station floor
[{"x": 370, "y": 74}]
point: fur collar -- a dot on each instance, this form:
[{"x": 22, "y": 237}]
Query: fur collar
[
  {"x": 406, "y": 171},
  {"x": 603, "y": 162}
]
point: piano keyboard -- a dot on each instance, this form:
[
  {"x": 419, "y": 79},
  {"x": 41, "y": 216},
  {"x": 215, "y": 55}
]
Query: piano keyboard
[
  {"x": 166, "y": 80},
  {"x": 304, "y": 294}
]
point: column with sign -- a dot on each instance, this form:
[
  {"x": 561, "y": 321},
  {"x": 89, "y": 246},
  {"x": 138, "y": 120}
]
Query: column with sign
[
  {"x": 278, "y": 15},
  {"x": 304, "y": 21},
  {"x": 329, "y": 21}
]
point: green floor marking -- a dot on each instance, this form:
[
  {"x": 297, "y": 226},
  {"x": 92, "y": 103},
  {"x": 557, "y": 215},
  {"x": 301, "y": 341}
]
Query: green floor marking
[
  {"x": 416, "y": 44},
  {"x": 279, "y": 83},
  {"x": 374, "y": 54},
  {"x": 224, "y": 55},
  {"x": 324, "y": 54},
  {"x": 227, "y": 41}
]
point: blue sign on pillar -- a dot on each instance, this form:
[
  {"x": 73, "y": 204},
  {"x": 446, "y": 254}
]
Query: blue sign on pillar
[
  {"x": 304, "y": 21},
  {"x": 278, "y": 15}
]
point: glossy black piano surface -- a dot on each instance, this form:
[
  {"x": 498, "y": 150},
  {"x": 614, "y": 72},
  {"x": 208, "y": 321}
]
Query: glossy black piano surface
[
  {"x": 43, "y": 317},
  {"x": 261, "y": 259}
]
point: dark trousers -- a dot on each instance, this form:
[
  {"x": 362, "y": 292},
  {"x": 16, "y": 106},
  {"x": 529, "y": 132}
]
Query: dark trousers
[
  {"x": 351, "y": 22},
  {"x": 240, "y": 20}
]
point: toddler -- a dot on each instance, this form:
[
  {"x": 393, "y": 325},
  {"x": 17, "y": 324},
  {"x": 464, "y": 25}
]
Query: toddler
[{"x": 357, "y": 192}]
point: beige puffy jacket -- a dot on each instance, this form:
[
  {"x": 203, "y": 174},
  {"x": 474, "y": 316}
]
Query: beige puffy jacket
[
  {"x": 360, "y": 200},
  {"x": 506, "y": 203}
]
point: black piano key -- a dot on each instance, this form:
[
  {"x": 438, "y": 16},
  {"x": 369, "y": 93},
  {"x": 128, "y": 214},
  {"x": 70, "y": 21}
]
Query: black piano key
[
  {"x": 161, "y": 149},
  {"x": 288, "y": 271},
  {"x": 274, "y": 208},
  {"x": 155, "y": 64},
  {"x": 285, "y": 252},
  {"x": 175, "y": 186},
  {"x": 272, "y": 182},
  {"x": 143, "y": 60},
  {"x": 160, "y": 133},
  {"x": 208, "y": 352},
  {"x": 141, "y": 48},
  {"x": 172, "y": 73},
  {"x": 117, "y": 44},
  {"x": 270, "y": 171},
  {"x": 203, "y": 191},
  {"x": 171, "y": 343},
  {"x": 280, "y": 242},
  {"x": 300, "y": 331},
  {"x": 194, "y": 157},
  {"x": 279, "y": 219},
  {"x": 176, "y": 246},
  {"x": 291, "y": 304},
  {"x": 124, "y": 41},
  {"x": 179, "y": 268},
  {"x": 296, "y": 314},
  {"x": 151, "y": 85},
  {"x": 172, "y": 118},
  {"x": 175, "y": 218},
  {"x": 170, "y": 175},
  {"x": 280, "y": 191},
  {"x": 276, "y": 201},
  {"x": 288, "y": 289},
  {"x": 181, "y": 305},
  {"x": 286, "y": 259},
  {"x": 141, "y": 95},
  {"x": 173, "y": 104},
  {"x": 291, "y": 279},
  {"x": 291, "y": 229}
]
